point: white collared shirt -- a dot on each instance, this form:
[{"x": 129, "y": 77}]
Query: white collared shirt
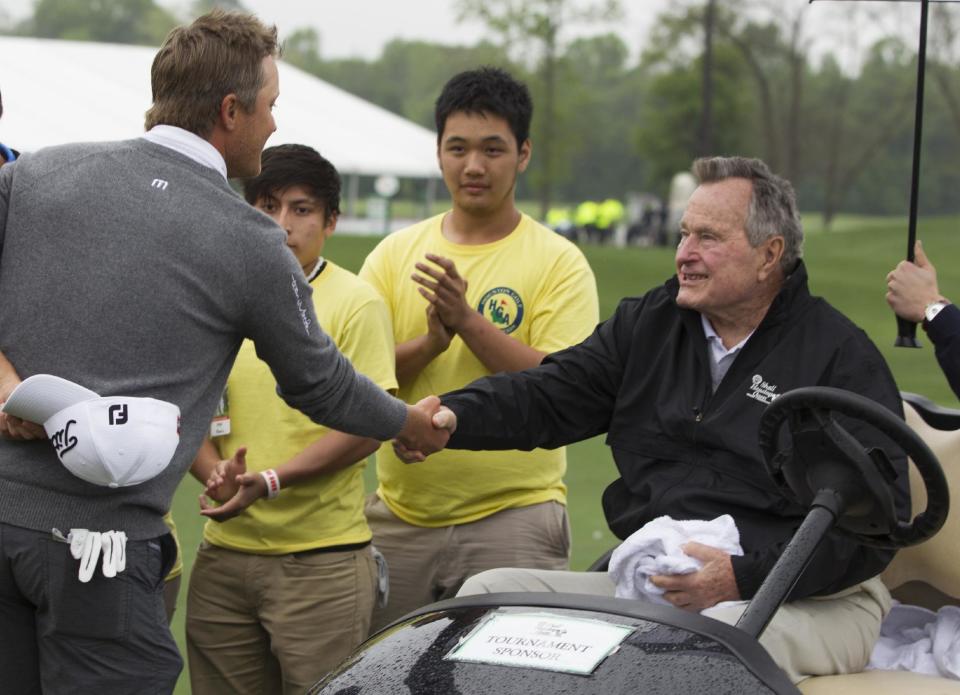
[
  {"x": 189, "y": 145},
  {"x": 720, "y": 357}
]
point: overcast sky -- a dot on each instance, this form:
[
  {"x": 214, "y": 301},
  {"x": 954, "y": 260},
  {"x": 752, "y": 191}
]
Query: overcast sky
[{"x": 359, "y": 28}]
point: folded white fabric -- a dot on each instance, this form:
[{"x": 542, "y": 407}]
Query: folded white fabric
[
  {"x": 656, "y": 549},
  {"x": 87, "y": 546},
  {"x": 916, "y": 639}
]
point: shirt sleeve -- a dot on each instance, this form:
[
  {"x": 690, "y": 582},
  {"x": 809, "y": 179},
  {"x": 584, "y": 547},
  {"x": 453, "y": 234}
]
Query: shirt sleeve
[
  {"x": 312, "y": 375},
  {"x": 367, "y": 341},
  {"x": 567, "y": 307},
  {"x": 944, "y": 331},
  {"x": 840, "y": 560},
  {"x": 569, "y": 397}
]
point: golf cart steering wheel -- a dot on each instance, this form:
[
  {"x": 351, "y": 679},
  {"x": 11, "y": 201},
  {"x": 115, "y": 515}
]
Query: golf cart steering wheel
[{"x": 825, "y": 457}]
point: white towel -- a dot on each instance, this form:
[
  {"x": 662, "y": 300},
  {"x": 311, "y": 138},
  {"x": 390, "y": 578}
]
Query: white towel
[
  {"x": 916, "y": 639},
  {"x": 656, "y": 549}
]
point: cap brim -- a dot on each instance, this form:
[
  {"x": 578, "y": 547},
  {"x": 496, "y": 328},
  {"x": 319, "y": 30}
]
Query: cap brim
[{"x": 41, "y": 396}]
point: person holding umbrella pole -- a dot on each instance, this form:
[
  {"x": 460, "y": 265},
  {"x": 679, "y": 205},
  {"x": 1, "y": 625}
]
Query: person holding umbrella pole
[{"x": 913, "y": 294}]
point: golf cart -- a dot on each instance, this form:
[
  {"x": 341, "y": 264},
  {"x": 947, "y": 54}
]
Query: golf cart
[{"x": 533, "y": 643}]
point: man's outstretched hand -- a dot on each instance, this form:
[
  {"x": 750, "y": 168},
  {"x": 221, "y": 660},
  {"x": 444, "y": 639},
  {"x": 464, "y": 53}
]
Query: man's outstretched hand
[{"x": 426, "y": 431}]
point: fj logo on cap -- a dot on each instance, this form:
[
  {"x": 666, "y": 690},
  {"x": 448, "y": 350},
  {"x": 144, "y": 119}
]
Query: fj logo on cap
[{"x": 118, "y": 414}]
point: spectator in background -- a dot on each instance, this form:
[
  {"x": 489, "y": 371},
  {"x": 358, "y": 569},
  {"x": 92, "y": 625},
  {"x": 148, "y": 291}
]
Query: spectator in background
[
  {"x": 530, "y": 293},
  {"x": 913, "y": 294},
  {"x": 283, "y": 592}
]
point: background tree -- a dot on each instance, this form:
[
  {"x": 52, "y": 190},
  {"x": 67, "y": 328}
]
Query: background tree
[
  {"x": 112, "y": 21},
  {"x": 536, "y": 26}
]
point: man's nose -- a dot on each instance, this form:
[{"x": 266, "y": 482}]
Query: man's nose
[
  {"x": 474, "y": 163},
  {"x": 283, "y": 219}
]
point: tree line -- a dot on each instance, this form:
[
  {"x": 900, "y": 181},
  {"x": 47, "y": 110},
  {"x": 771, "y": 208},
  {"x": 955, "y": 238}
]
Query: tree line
[{"x": 754, "y": 77}]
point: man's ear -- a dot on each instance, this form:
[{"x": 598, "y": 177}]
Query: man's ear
[
  {"x": 526, "y": 149},
  {"x": 772, "y": 253},
  {"x": 330, "y": 224},
  {"x": 228, "y": 111}
]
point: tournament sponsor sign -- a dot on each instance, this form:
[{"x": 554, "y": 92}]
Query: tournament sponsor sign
[{"x": 541, "y": 640}]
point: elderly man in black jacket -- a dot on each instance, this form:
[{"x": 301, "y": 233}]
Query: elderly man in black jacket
[{"x": 678, "y": 379}]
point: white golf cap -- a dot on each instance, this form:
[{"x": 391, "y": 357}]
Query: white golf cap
[
  {"x": 114, "y": 441},
  {"x": 41, "y": 396}
]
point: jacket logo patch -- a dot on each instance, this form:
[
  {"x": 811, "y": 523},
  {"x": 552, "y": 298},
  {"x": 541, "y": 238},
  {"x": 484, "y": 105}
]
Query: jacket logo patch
[
  {"x": 503, "y": 307},
  {"x": 762, "y": 391}
]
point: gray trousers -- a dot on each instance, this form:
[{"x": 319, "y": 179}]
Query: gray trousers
[
  {"x": 821, "y": 636},
  {"x": 58, "y": 635}
]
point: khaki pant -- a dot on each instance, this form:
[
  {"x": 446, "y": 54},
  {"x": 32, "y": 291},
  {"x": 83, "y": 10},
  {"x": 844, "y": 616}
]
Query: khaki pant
[
  {"x": 822, "y": 636},
  {"x": 274, "y": 623},
  {"x": 430, "y": 564}
]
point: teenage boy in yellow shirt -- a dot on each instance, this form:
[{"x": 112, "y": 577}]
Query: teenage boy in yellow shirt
[
  {"x": 480, "y": 289},
  {"x": 284, "y": 591}
]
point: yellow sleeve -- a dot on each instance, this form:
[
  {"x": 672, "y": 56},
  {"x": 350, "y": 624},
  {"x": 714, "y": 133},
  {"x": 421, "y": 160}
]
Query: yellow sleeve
[
  {"x": 378, "y": 274},
  {"x": 567, "y": 308},
  {"x": 367, "y": 341}
]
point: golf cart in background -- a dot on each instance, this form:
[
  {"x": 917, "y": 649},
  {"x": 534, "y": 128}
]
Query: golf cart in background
[{"x": 530, "y": 643}]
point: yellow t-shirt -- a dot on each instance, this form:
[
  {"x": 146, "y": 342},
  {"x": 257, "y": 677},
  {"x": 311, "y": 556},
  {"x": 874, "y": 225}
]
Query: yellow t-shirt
[
  {"x": 534, "y": 285},
  {"x": 327, "y": 510}
]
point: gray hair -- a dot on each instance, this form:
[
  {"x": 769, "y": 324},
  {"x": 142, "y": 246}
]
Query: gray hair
[{"x": 773, "y": 203}]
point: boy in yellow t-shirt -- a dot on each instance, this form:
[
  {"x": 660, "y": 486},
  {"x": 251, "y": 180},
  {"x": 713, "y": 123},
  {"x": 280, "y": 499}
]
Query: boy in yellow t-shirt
[
  {"x": 282, "y": 592},
  {"x": 478, "y": 290}
]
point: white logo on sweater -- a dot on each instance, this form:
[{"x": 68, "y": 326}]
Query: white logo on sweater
[
  {"x": 761, "y": 391},
  {"x": 303, "y": 312},
  {"x": 159, "y": 183}
]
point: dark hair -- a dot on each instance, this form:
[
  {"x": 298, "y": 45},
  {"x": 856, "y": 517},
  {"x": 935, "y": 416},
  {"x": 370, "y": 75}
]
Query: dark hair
[
  {"x": 486, "y": 90},
  {"x": 198, "y": 65},
  {"x": 1, "y": 105},
  {"x": 773, "y": 203},
  {"x": 285, "y": 166}
]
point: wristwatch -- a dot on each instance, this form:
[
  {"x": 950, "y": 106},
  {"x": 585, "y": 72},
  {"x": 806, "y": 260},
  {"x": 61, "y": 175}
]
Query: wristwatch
[{"x": 932, "y": 309}]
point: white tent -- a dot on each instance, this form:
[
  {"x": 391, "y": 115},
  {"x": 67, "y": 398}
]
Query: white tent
[{"x": 69, "y": 91}]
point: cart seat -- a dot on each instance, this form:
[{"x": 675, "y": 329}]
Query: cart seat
[{"x": 926, "y": 575}]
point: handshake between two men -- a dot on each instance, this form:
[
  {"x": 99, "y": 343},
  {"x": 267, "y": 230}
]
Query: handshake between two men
[{"x": 427, "y": 430}]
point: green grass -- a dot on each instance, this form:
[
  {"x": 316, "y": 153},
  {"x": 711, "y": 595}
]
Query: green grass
[{"x": 847, "y": 265}]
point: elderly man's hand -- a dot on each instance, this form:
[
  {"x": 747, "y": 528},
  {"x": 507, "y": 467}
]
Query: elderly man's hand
[
  {"x": 912, "y": 286},
  {"x": 713, "y": 583},
  {"x": 426, "y": 431}
]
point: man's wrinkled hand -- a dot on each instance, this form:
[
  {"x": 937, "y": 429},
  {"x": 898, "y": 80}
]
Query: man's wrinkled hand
[
  {"x": 912, "y": 286},
  {"x": 712, "y": 583},
  {"x": 426, "y": 431}
]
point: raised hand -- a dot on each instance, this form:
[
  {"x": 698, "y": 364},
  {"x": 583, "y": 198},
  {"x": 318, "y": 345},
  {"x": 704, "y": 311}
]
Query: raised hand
[
  {"x": 912, "y": 286},
  {"x": 437, "y": 333},
  {"x": 442, "y": 286},
  {"x": 712, "y": 583}
]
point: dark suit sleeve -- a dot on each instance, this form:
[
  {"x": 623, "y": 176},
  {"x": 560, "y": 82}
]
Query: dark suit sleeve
[
  {"x": 944, "y": 331},
  {"x": 841, "y": 561},
  {"x": 569, "y": 397}
]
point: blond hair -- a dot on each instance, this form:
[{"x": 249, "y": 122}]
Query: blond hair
[{"x": 198, "y": 65}]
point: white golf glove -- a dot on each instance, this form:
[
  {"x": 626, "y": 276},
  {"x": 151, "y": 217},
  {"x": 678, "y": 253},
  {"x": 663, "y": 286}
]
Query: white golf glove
[{"x": 87, "y": 547}]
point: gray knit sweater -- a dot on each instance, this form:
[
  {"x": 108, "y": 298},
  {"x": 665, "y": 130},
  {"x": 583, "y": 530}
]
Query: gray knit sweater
[{"x": 133, "y": 270}]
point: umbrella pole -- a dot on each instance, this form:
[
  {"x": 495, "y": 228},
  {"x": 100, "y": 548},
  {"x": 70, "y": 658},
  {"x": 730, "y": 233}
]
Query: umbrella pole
[{"x": 907, "y": 330}]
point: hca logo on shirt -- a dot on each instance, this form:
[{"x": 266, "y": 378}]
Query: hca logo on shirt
[{"x": 503, "y": 308}]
